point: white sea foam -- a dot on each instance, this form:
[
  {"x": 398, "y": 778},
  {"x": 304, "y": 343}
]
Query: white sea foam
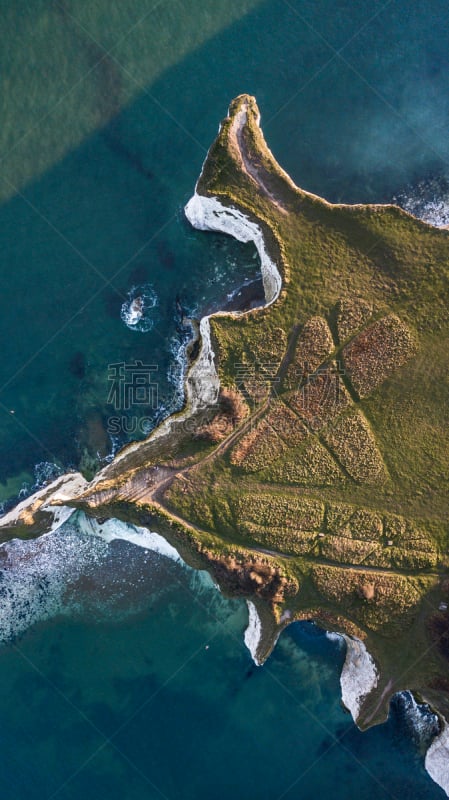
[
  {"x": 35, "y": 575},
  {"x": 253, "y": 632},
  {"x": 136, "y": 311},
  {"x": 335, "y": 637},
  {"x": 115, "y": 446},
  {"x": 428, "y": 200},
  {"x": 46, "y": 471},
  {"x": 209, "y": 214},
  {"x": 359, "y": 675},
  {"x": 77, "y": 568},
  {"x": 201, "y": 388},
  {"x": 177, "y": 371},
  {"x": 421, "y": 722},
  {"x": 437, "y": 759},
  {"x": 435, "y": 212}
]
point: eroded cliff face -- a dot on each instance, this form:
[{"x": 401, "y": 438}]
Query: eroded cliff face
[
  {"x": 252, "y": 576},
  {"x": 45, "y": 510}
]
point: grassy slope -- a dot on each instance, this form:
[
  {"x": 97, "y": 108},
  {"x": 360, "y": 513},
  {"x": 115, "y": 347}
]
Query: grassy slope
[{"x": 388, "y": 257}]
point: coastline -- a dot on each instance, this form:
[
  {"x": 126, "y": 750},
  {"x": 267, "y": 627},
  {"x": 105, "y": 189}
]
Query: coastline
[
  {"x": 209, "y": 214},
  {"x": 359, "y": 675},
  {"x": 253, "y": 633},
  {"x": 437, "y": 759},
  {"x": 61, "y": 489},
  {"x": 201, "y": 382}
]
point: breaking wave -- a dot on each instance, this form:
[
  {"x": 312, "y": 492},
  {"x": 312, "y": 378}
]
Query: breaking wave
[
  {"x": 418, "y": 720},
  {"x": 107, "y": 567},
  {"x": 428, "y": 200},
  {"x": 35, "y": 576},
  {"x": 107, "y": 570},
  {"x": 137, "y": 311}
]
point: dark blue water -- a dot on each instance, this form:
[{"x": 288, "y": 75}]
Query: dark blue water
[{"x": 107, "y": 114}]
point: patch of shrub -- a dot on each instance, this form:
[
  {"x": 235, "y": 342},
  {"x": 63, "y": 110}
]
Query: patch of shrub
[{"x": 376, "y": 352}]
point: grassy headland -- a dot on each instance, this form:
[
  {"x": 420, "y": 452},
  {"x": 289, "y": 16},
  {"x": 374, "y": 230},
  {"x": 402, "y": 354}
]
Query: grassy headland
[{"x": 318, "y": 483}]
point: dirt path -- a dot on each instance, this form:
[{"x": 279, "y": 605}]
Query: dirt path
[{"x": 247, "y": 165}]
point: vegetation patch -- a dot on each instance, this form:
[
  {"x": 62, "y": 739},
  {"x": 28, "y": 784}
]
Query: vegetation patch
[
  {"x": 352, "y": 314},
  {"x": 249, "y": 351},
  {"x": 245, "y": 574},
  {"x": 276, "y": 510},
  {"x": 345, "y": 550},
  {"x": 354, "y": 445},
  {"x": 313, "y": 346},
  {"x": 376, "y": 352},
  {"x": 406, "y": 533},
  {"x": 309, "y": 465},
  {"x": 376, "y": 600},
  {"x": 257, "y": 448},
  {"x": 407, "y": 559},
  {"x": 230, "y": 411},
  {"x": 282, "y": 540},
  {"x": 356, "y": 523},
  {"x": 385, "y": 541},
  {"x": 286, "y": 423},
  {"x": 321, "y": 398}
]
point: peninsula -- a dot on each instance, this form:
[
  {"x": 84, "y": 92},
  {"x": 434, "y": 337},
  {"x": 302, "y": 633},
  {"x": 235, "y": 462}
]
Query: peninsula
[{"x": 308, "y": 471}]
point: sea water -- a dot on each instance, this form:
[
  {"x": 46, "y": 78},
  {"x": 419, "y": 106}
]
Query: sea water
[{"x": 122, "y": 671}]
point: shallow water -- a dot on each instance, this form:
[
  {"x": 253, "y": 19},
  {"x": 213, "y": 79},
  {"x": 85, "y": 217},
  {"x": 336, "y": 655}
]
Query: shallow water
[{"x": 105, "y": 680}]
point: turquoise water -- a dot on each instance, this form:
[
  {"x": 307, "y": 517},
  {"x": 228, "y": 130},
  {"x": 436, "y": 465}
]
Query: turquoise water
[{"x": 107, "y": 114}]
